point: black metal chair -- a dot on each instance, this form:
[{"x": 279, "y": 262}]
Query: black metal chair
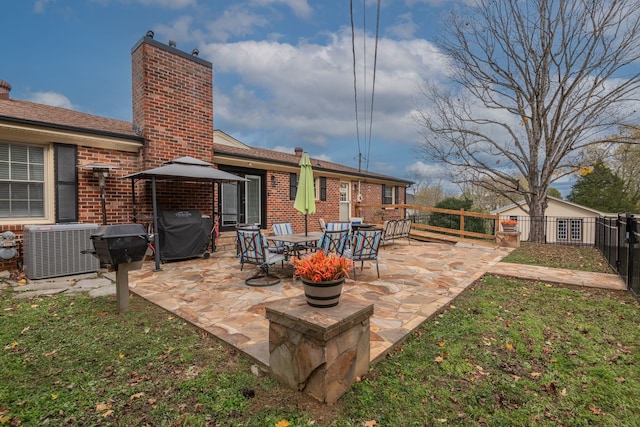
[
  {"x": 365, "y": 246},
  {"x": 254, "y": 250}
]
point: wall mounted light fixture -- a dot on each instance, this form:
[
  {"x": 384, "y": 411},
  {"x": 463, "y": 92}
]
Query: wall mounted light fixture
[
  {"x": 274, "y": 183},
  {"x": 101, "y": 171}
]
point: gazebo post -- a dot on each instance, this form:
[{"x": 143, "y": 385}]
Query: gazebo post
[
  {"x": 133, "y": 201},
  {"x": 156, "y": 234}
]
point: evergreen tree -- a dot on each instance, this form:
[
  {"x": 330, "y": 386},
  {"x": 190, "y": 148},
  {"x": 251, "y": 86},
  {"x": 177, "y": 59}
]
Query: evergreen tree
[
  {"x": 452, "y": 221},
  {"x": 601, "y": 189}
]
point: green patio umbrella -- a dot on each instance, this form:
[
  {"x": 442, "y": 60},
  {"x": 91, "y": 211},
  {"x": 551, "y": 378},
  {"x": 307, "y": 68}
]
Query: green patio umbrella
[{"x": 305, "y": 195}]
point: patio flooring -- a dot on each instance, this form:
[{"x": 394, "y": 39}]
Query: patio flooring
[{"x": 416, "y": 280}]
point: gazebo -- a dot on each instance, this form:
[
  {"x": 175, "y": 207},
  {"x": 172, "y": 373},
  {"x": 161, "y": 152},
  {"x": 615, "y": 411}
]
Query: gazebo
[{"x": 185, "y": 169}]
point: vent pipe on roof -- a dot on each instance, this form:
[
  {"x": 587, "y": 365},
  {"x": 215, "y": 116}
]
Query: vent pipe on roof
[{"x": 5, "y": 88}]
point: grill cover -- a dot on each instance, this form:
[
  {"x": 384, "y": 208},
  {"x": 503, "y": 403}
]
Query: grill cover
[{"x": 183, "y": 234}]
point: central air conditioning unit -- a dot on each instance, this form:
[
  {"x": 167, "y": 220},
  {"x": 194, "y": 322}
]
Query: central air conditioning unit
[{"x": 56, "y": 250}]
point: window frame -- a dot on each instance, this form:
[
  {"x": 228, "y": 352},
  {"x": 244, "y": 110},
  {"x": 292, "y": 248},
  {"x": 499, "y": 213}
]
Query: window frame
[
  {"x": 45, "y": 183},
  {"x": 569, "y": 229},
  {"x": 388, "y": 200}
]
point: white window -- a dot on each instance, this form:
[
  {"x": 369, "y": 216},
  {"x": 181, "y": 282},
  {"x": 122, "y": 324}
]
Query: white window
[
  {"x": 569, "y": 229},
  {"x": 22, "y": 187}
]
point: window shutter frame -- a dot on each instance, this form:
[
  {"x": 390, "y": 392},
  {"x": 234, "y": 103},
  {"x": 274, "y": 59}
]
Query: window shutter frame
[
  {"x": 293, "y": 185},
  {"x": 66, "y": 187},
  {"x": 323, "y": 188}
]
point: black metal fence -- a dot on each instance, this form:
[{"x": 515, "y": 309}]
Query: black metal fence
[{"x": 617, "y": 238}]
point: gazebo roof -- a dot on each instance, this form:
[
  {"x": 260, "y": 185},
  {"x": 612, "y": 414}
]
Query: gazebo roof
[{"x": 185, "y": 169}]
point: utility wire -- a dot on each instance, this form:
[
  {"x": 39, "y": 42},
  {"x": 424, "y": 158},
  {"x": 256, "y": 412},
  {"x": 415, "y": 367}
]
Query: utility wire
[
  {"x": 367, "y": 140},
  {"x": 364, "y": 71},
  {"x": 373, "y": 85},
  {"x": 355, "y": 86}
]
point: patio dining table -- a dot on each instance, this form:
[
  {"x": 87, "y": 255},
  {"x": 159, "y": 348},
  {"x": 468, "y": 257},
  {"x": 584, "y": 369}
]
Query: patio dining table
[{"x": 297, "y": 241}]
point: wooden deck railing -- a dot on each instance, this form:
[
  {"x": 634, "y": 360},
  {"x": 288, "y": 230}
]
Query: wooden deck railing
[{"x": 422, "y": 214}]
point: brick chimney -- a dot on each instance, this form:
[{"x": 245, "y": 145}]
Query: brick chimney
[
  {"x": 5, "y": 88},
  {"x": 298, "y": 151},
  {"x": 172, "y": 101}
]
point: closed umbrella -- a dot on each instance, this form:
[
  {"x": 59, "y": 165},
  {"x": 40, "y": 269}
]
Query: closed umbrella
[{"x": 305, "y": 196}]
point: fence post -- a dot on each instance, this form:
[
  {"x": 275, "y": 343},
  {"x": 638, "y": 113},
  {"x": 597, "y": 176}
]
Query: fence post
[
  {"x": 631, "y": 240},
  {"x": 462, "y": 223}
]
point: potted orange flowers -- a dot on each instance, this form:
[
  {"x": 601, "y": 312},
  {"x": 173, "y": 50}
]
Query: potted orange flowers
[
  {"x": 322, "y": 277},
  {"x": 509, "y": 224}
]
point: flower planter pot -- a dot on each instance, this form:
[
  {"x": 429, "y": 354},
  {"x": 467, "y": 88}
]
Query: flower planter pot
[
  {"x": 323, "y": 294},
  {"x": 509, "y": 228}
]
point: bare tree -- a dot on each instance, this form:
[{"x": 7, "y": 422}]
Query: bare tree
[{"x": 534, "y": 82}]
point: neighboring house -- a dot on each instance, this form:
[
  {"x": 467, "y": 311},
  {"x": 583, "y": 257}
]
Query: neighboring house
[
  {"x": 50, "y": 158},
  {"x": 565, "y": 222}
]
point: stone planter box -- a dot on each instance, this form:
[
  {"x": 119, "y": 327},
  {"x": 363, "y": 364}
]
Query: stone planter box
[{"x": 319, "y": 351}]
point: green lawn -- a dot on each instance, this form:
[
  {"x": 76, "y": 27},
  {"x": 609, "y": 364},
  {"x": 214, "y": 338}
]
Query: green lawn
[{"x": 505, "y": 353}]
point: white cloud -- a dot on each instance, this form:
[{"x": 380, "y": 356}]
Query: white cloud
[
  {"x": 236, "y": 21},
  {"x": 405, "y": 28},
  {"x": 170, "y": 4},
  {"x": 308, "y": 88},
  {"x": 39, "y": 5},
  {"x": 51, "y": 98},
  {"x": 299, "y": 7}
]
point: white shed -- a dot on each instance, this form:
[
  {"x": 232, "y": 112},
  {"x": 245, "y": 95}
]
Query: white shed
[{"x": 565, "y": 222}]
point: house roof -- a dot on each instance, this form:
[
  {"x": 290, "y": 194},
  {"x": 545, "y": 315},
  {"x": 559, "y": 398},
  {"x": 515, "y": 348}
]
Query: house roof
[
  {"x": 31, "y": 113},
  {"x": 522, "y": 202},
  {"x": 287, "y": 159}
]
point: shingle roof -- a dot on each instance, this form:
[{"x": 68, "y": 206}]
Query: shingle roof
[
  {"x": 293, "y": 159},
  {"x": 47, "y": 115}
]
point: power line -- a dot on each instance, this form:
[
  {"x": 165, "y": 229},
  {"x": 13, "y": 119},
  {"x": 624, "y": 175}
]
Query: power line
[
  {"x": 355, "y": 86},
  {"x": 355, "y": 81},
  {"x": 373, "y": 85}
]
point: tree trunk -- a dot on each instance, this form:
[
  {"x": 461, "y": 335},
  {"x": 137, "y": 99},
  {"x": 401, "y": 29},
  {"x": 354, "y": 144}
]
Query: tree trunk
[{"x": 537, "y": 208}]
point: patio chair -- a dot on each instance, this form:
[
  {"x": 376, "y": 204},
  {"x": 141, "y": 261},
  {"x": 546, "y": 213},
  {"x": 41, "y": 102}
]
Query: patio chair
[
  {"x": 338, "y": 225},
  {"x": 253, "y": 250},
  {"x": 365, "y": 247},
  {"x": 323, "y": 226},
  {"x": 334, "y": 241},
  {"x": 279, "y": 229}
]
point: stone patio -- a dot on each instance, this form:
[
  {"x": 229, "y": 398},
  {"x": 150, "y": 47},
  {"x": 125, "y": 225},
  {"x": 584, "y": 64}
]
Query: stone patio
[{"x": 416, "y": 280}]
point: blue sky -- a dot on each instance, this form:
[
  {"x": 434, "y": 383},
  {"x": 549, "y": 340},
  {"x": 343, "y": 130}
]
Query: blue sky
[{"x": 282, "y": 69}]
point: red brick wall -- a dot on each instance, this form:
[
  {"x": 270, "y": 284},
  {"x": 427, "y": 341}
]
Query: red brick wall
[
  {"x": 372, "y": 195},
  {"x": 280, "y": 208},
  {"x": 172, "y": 103},
  {"x": 118, "y": 191}
]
